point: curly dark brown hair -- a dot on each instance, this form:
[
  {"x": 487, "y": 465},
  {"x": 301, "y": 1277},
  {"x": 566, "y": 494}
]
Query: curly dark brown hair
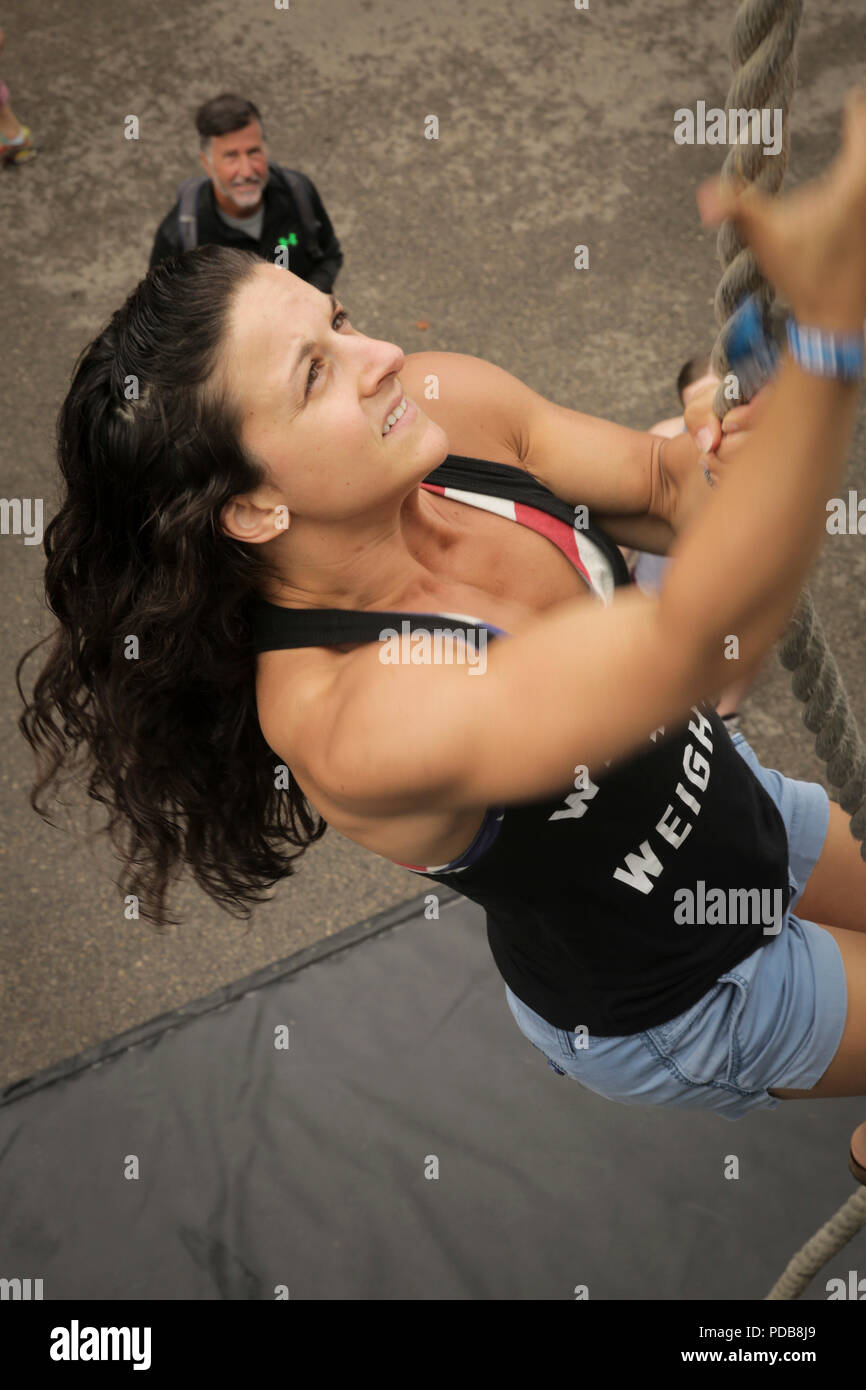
[{"x": 150, "y": 678}]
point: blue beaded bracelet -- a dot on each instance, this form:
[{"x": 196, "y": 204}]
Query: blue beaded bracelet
[{"x": 816, "y": 350}]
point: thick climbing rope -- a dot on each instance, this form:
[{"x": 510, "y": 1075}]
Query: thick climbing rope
[
  {"x": 763, "y": 59},
  {"x": 827, "y": 1242}
]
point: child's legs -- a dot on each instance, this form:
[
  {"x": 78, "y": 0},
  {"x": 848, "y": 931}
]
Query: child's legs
[{"x": 9, "y": 124}]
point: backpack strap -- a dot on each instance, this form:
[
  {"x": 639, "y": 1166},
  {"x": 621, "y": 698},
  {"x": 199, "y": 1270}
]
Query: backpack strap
[
  {"x": 297, "y": 187},
  {"x": 187, "y": 218}
]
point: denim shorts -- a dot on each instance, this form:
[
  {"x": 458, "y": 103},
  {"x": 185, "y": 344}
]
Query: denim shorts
[{"x": 775, "y": 1020}]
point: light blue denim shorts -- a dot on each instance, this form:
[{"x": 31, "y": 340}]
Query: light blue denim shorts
[{"x": 775, "y": 1020}]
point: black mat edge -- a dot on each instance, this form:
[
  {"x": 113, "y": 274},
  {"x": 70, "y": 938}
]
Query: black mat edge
[{"x": 380, "y": 922}]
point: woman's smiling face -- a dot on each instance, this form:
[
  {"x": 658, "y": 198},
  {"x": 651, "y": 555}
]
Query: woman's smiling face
[{"x": 316, "y": 396}]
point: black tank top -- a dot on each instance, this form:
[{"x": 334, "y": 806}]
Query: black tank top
[{"x": 588, "y": 892}]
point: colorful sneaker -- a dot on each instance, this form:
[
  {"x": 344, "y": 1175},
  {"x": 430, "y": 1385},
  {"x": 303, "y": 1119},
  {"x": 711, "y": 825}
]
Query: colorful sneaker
[{"x": 18, "y": 150}]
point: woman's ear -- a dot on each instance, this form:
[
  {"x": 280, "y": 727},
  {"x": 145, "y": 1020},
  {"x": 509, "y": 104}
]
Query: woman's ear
[{"x": 245, "y": 520}]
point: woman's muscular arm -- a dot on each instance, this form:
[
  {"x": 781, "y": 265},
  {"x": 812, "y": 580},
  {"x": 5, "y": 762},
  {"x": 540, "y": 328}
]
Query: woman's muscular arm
[{"x": 488, "y": 413}]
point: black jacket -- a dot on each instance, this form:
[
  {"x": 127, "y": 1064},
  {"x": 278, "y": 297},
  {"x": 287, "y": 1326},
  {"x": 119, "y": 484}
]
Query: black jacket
[{"x": 280, "y": 220}]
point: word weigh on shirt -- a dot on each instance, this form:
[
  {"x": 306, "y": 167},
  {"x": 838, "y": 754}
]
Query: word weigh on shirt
[{"x": 644, "y": 865}]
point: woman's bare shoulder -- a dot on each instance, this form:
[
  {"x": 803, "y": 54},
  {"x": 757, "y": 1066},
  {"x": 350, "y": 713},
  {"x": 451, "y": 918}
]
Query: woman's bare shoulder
[
  {"x": 476, "y": 403},
  {"x": 295, "y": 690}
]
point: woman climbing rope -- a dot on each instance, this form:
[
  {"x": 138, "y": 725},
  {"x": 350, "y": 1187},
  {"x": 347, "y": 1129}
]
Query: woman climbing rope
[{"x": 259, "y": 497}]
